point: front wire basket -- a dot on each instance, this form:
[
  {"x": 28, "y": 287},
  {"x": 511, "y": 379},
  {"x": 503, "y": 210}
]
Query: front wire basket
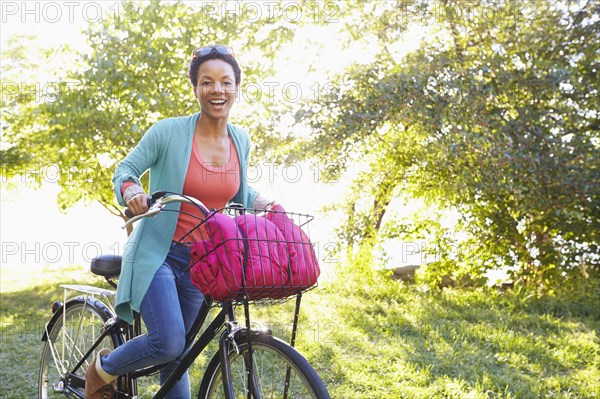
[{"x": 239, "y": 255}]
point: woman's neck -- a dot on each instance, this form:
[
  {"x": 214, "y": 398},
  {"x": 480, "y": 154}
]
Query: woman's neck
[{"x": 214, "y": 128}]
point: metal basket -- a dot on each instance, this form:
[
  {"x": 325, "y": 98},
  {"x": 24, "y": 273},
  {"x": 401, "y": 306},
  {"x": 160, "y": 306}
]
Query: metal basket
[{"x": 255, "y": 257}]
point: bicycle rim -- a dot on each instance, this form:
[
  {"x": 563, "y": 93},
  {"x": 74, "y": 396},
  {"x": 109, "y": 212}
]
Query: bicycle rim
[
  {"x": 68, "y": 340},
  {"x": 279, "y": 371}
]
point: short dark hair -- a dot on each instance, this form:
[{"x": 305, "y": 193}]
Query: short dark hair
[{"x": 195, "y": 64}]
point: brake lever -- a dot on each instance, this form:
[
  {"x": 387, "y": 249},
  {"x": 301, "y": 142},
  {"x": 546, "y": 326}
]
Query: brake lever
[{"x": 152, "y": 211}]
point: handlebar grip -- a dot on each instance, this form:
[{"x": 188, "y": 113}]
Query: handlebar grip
[{"x": 130, "y": 214}]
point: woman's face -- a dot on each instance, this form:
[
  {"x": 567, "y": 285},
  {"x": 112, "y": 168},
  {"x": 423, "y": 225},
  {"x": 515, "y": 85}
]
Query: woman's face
[{"x": 216, "y": 90}]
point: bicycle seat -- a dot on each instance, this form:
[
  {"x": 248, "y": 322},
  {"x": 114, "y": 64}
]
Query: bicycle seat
[{"x": 106, "y": 265}]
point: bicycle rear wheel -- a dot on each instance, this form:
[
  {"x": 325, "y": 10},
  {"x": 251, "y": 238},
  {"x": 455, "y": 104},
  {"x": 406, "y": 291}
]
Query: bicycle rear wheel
[
  {"x": 69, "y": 335},
  {"x": 279, "y": 372}
]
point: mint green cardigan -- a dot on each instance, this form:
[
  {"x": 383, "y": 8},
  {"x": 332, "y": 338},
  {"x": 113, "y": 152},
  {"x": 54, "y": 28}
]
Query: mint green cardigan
[{"x": 165, "y": 151}]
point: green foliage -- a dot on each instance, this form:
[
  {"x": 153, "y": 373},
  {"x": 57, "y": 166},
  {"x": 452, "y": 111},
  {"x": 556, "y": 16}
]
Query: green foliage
[
  {"x": 495, "y": 118},
  {"x": 134, "y": 73}
]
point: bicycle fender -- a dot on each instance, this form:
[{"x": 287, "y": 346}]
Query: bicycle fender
[{"x": 92, "y": 302}]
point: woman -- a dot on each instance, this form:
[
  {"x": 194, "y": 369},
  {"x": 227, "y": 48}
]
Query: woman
[{"x": 203, "y": 156}]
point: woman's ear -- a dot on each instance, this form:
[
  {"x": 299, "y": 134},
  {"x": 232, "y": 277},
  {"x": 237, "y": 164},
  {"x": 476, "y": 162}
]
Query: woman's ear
[{"x": 195, "y": 92}]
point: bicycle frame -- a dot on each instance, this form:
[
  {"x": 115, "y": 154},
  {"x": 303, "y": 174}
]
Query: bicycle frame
[
  {"x": 193, "y": 351},
  {"x": 224, "y": 321},
  {"x": 225, "y": 318}
]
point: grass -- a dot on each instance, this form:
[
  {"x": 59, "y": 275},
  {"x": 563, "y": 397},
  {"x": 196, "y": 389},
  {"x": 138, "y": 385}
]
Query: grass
[
  {"x": 464, "y": 344},
  {"x": 375, "y": 338}
]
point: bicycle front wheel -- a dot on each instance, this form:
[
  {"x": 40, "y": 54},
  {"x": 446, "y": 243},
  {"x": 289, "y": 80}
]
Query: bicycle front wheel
[
  {"x": 69, "y": 335},
  {"x": 279, "y": 371}
]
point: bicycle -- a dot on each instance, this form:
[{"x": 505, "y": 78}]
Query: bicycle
[{"x": 247, "y": 363}]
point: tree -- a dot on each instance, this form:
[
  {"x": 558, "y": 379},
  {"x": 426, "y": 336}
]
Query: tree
[
  {"x": 495, "y": 118},
  {"x": 134, "y": 74}
]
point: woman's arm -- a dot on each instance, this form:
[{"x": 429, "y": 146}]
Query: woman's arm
[{"x": 135, "y": 164}]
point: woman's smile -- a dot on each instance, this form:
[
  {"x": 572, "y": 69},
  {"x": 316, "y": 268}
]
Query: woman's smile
[
  {"x": 216, "y": 89},
  {"x": 218, "y": 104}
]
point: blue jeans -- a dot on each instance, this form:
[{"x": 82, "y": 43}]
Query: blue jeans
[{"x": 168, "y": 310}]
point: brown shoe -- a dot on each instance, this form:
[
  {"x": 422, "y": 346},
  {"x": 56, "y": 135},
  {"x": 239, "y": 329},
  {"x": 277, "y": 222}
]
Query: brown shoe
[{"x": 98, "y": 383}]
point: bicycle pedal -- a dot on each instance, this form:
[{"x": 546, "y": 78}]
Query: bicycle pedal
[{"x": 58, "y": 386}]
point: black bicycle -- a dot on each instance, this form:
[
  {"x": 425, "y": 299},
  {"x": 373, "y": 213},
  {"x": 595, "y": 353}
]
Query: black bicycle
[{"x": 247, "y": 363}]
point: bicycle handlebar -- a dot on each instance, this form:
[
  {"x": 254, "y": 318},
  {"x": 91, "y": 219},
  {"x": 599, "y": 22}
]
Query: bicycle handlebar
[
  {"x": 130, "y": 214},
  {"x": 158, "y": 200}
]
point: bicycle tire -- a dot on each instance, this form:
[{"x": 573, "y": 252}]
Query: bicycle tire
[
  {"x": 85, "y": 318},
  {"x": 271, "y": 358}
]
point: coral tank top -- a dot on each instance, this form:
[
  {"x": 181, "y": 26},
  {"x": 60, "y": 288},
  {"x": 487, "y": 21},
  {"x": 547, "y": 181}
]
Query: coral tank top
[{"x": 213, "y": 184}]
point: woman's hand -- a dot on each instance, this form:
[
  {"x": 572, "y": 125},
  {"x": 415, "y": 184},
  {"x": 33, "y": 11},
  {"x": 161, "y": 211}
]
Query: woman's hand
[
  {"x": 136, "y": 199},
  {"x": 138, "y": 204},
  {"x": 262, "y": 203}
]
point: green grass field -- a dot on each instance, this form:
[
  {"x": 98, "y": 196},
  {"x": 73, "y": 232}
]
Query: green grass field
[{"x": 380, "y": 339}]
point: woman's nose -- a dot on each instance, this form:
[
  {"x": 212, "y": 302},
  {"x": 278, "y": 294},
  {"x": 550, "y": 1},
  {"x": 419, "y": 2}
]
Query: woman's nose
[{"x": 217, "y": 87}]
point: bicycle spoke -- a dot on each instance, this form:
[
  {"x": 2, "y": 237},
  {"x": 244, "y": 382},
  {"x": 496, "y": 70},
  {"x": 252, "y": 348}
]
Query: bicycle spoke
[
  {"x": 278, "y": 371},
  {"x": 57, "y": 361},
  {"x": 80, "y": 326},
  {"x": 69, "y": 339}
]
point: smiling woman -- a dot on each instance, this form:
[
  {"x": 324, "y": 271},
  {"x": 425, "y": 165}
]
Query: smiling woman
[
  {"x": 216, "y": 77},
  {"x": 200, "y": 155}
]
